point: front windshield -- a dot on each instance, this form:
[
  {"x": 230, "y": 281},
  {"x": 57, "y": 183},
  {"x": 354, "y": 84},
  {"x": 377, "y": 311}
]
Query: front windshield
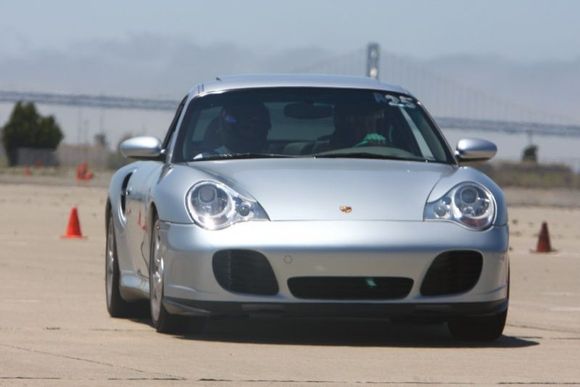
[{"x": 308, "y": 122}]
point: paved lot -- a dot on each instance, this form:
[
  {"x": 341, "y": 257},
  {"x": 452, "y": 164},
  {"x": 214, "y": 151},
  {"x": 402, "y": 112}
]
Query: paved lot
[{"x": 54, "y": 328}]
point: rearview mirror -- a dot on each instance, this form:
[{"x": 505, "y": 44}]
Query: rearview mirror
[
  {"x": 142, "y": 148},
  {"x": 307, "y": 111},
  {"x": 474, "y": 149}
]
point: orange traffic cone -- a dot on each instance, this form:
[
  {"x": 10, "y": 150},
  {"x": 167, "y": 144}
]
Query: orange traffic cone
[
  {"x": 544, "y": 245},
  {"x": 73, "y": 230},
  {"x": 27, "y": 171},
  {"x": 83, "y": 172}
]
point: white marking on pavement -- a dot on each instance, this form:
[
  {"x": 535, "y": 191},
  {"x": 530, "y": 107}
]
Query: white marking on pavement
[{"x": 565, "y": 309}]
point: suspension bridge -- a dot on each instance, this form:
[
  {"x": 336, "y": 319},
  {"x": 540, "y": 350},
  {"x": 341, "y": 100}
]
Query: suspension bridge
[{"x": 455, "y": 106}]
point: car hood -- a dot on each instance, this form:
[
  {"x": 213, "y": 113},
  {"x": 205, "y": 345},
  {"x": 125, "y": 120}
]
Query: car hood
[{"x": 317, "y": 189}]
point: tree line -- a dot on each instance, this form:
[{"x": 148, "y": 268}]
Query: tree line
[{"x": 27, "y": 128}]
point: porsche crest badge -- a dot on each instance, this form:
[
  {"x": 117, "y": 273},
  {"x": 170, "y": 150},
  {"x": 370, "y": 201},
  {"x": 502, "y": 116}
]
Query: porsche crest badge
[{"x": 345, "y": 209}]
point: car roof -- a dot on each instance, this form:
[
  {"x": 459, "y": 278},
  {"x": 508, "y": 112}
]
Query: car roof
[{"x": 233, "y": 82}]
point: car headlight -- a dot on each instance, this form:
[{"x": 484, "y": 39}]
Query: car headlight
[
  {"x": 469, "y": 204},
  {"x": 214, "y": 206}
]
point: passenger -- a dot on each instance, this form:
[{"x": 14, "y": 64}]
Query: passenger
[{"x": 243, "y": 128}]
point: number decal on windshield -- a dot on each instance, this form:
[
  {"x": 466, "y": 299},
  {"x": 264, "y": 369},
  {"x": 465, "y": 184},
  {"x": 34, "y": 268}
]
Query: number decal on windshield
[{"x": 394, "y": 100}]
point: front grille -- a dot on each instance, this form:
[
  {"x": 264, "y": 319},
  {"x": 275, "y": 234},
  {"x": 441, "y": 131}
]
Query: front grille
[
  {"x": 350, "y": 288},
  {"x": 452, "y": 272},
  {"x": 244, "y": 271}
]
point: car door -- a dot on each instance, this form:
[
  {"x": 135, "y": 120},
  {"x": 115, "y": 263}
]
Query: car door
[
  {"x": 136, "y": 213},
  {"x": 138, "y": 199}
]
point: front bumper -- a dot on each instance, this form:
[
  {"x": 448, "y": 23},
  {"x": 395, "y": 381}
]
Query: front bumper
[
  {"x": 342, "y": 309},
  {"x": 334, "y": 249}
]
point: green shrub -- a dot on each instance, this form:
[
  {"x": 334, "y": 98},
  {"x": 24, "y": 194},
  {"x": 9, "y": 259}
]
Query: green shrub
[{"x": 26, "y": 128}]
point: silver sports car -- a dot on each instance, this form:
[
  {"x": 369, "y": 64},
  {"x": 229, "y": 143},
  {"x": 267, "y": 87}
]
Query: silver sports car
[{"x": 306, "y": 196}]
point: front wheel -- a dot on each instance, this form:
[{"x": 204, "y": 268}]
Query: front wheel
[
  {"x": 483, "y": 328},
  {"x": 116, "y": 305},
  {"x": 162, "y": 320}
]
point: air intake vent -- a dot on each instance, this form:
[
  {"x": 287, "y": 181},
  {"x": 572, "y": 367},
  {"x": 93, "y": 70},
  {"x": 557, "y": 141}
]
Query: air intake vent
[
  {"x": 124, "y": 192},
  {"x": 244, "y": 271},
  {"x": 350, "y": 288},
  {"x": 452, "y": 272}
]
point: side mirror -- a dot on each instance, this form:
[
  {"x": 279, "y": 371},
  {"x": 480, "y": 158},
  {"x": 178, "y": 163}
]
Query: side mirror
[
  {"x": 474, "y": 149},
  {"x": 142, "y": 148}
]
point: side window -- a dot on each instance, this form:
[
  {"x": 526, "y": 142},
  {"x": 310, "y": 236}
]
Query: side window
[
  {"x": 423, "y": 146},
  {"x": 174, "y": 123},
  {"x": 428, "y": 135}
]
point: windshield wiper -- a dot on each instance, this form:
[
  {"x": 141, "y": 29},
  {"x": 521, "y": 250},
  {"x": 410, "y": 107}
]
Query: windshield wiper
[
  {"x": 238, "y": 156},
  {"x": 365, "y": 155}
]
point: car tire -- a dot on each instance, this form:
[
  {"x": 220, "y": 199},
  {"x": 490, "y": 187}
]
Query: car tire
[
  {"x": 162, "y": 320},
  {"x": 116, "y": 305},
  {"x": 482, "y": 328}
]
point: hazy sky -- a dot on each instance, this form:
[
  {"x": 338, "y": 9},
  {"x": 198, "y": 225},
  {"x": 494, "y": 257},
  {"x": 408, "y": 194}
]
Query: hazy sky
[
  {"x": 521, "y": 30},
  {"x": 514, "y": 52}
]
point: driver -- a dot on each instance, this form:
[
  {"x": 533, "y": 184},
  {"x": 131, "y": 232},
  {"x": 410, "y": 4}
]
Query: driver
[
  {"x": 243, "y": 128},
  {"x": 357, "y": 125}
]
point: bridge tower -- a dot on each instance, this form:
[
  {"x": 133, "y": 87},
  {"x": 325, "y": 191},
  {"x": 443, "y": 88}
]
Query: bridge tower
[{"x": 373, "y": 54}]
